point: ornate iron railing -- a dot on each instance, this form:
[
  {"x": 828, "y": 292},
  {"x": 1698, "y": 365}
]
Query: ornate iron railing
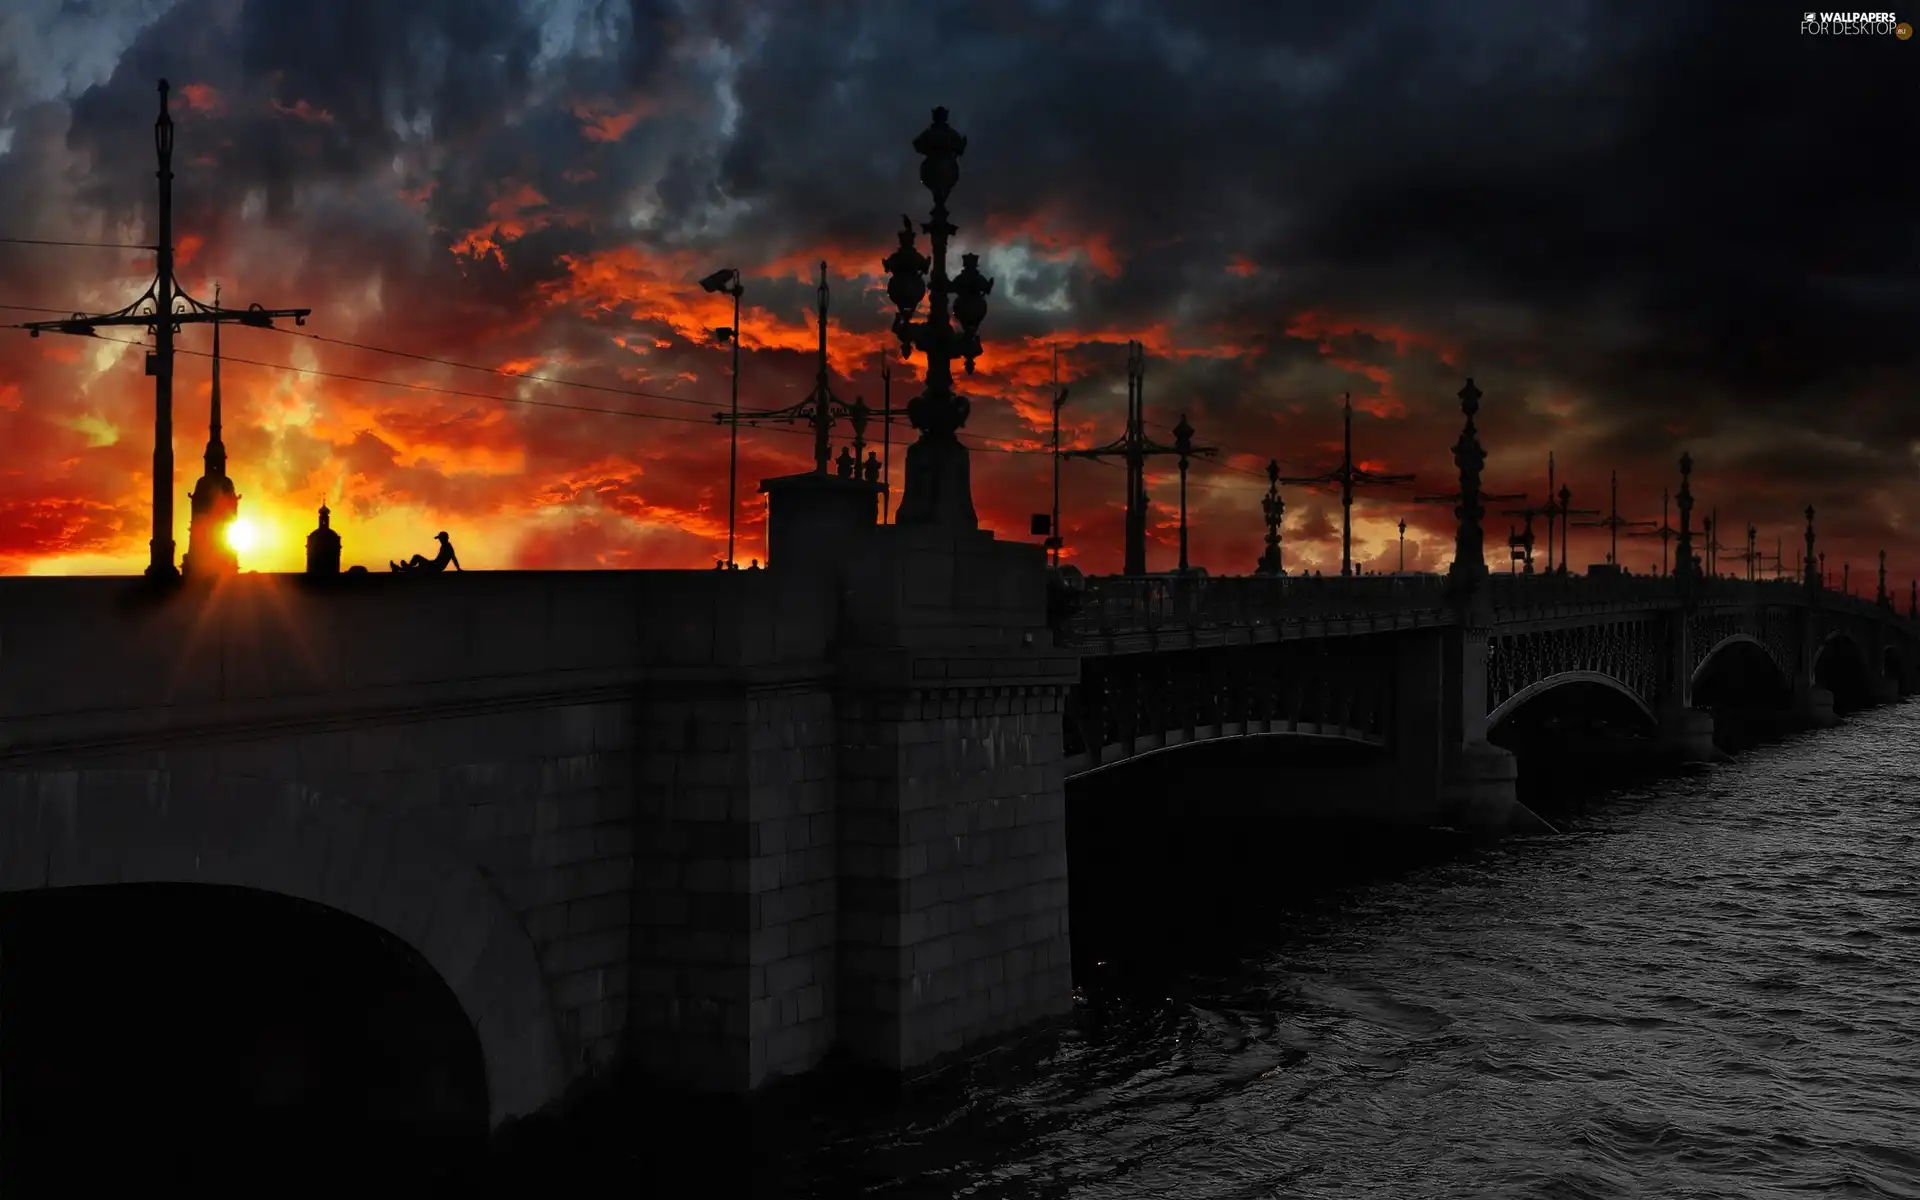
[
  {"x": 1113, "y": 606},
  {"x": 1117, "y": 605}
]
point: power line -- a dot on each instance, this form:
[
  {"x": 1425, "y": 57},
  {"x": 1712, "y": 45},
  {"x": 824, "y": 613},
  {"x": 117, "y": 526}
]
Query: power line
[
  {"x": 14, "y": 241},
  {"x": 500, "y": 371},
  {"x": 981, "y": 442},
  {"x": 461, "y": 392}
]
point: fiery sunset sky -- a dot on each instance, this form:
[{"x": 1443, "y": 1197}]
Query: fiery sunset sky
[{"x": 1641, "y": 227}]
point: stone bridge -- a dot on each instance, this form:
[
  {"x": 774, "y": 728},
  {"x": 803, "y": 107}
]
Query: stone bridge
[
  {"x": 1180, "y": 662},
  {"x": 716, "y": 824},
  {"x": 719, "y": 824}
]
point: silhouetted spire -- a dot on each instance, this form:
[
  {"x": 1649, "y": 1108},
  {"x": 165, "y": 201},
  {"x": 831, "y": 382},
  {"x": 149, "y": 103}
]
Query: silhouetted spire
[
  {"x": 216, "y": 459},
  {"x": 212, "y": 504}
]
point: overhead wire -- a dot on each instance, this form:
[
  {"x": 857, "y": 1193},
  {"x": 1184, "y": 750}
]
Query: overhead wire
[
  {"x": 981, "y": 441},
  {"x": 315, "y": 372},
  {"x": 19, "y": 241}
]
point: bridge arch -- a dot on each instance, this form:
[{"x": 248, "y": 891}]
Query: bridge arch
[
  {"x": 1114, "y": 754},
  {"x": 1513, "y": 703},
  {"x": 1739, "y": 643},
  {"x": 1844, "y": 667},
  {"x": 105, "y": 828}
]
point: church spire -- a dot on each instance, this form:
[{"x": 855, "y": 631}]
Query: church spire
[
  {"x": 216, "y": 449},
  {"x": 213, "y": 505}
]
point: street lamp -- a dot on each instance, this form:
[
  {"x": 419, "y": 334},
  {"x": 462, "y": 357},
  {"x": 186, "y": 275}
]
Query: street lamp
[
  {"x": 1403, "y": 545},
  {"x": 939, "y": 489},
  {"x": 727, "y": 282}
]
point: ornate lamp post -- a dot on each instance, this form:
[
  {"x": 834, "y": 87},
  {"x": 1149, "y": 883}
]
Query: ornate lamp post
[
  {"x": 1403, "y": 545},
  {"x": 1880, "y": 591},
  {"x": 939, "y": 491},
  {"x": 1469, "y": 554},
  {"x": 1274, "y": 508}
]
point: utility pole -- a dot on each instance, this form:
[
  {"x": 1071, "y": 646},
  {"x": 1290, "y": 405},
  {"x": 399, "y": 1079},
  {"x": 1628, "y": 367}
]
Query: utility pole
[
  {"x": 1763, "y": 559},
  {"x": 821, "y": 407},
  {"x": 162, "y": 309},
  {"x": 1348, "y": 477},
  {"x": 1055, "y": 542},
  {"x": 1612, "y": 522},
  {"x": 1666, "y": 532},
  {"x": 1568, "y": 510},
  {"x": 1713, "y": 546},
  {"x": 727, "y": 281},
  {"x": 1134, "y": 447},
  {"x": 1550, "y": 512}
]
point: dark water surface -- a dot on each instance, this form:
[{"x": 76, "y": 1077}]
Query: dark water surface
[{"x": 1708, "y": 986}]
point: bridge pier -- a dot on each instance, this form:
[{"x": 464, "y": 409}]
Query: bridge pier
[
  {"x": 953, "y": 822},
  {"x": 1687, "y": 733},
  {"x": 1478, "y": 787},
  {"x": 1885, "y": 690},
  {"x": 1813, "y": 705},
  {"x": 949, "y": 815}
]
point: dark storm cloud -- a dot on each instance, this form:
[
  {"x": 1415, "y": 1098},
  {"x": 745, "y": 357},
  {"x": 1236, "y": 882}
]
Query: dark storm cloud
[{"x": 1638, "y": 226}]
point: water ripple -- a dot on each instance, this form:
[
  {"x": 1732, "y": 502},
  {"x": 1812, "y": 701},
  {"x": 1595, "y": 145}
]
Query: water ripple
[{"x": 1705, "y": 989}]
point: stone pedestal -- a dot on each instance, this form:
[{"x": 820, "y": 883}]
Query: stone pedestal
[
  {"x": 939, "y": 490},
  {"x": 1813, "y": 706},
  {"x": 1688, "y": 733},
  {"x": 813, "y": 516}
]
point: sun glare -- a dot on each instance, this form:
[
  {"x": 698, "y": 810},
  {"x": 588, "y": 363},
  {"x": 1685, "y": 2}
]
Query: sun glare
[{"x": 242, "y": 536}]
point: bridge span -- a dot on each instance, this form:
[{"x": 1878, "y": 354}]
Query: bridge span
[{"x": 719, "y": 824}]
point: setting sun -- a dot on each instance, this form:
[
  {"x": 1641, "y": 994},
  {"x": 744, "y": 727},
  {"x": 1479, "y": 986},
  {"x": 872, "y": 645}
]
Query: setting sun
[{"x": 242, "y": 535}]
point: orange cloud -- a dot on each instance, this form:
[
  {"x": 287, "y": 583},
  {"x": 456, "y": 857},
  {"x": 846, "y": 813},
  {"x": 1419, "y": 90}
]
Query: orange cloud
[
  {"x": 1242, "y": 267},
  {"x": 302, "y": 111},
  {"x": 602, "y": 121},
  {"x": 1313, "y": 326},
  {"x": 199, "y": 97},
  {"x": 518, "y": 210},
  {"x": 1046, "y": 238}
]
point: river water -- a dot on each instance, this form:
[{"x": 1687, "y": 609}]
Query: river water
[{"x": 1707, "y": 986}]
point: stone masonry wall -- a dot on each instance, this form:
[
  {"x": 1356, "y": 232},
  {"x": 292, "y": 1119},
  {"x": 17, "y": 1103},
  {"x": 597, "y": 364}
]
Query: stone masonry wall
[
  {"x": 952, "y": 835},
  {"x": 953, "y": 870},
  {"x": 733, "y": 899}
]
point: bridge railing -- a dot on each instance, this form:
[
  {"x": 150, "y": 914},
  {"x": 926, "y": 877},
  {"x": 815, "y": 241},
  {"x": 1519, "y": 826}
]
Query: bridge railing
[
  {"x": 1109, "y": 606},
  {"x": 1510, "y": 592},
  {"x": 1116, "y": 605}
]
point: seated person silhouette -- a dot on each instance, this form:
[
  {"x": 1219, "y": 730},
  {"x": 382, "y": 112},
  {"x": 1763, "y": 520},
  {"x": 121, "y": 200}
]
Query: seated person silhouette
[{"x": 434, "y": 565}]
